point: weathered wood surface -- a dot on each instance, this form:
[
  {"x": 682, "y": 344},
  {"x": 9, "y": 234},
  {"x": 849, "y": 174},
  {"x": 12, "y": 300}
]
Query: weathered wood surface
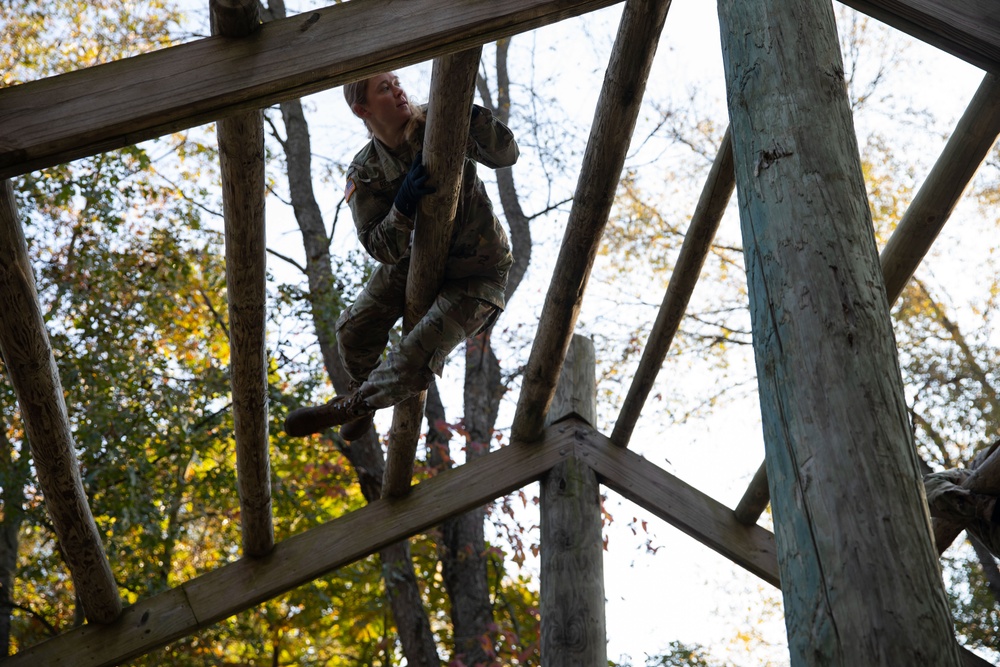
[
  {"x": 845, "y": 487},
  {"x": 240, "y": 585},
  {"x": 610, "y": 134},
  {"x": 715, "y": 196},
  {"x": 930, "y": 209},
  {"x": 81, "y": 113},
  {"x": 683, "y": 506},
  {"x": 453, "y": 80},
  {"x": 574, "y": 628},
  {"x": 241, "y": 157},
  {"x": 969, "y": 29},
  {"x": 31, "y": 367},
  {"x": 755, "y": 498}
]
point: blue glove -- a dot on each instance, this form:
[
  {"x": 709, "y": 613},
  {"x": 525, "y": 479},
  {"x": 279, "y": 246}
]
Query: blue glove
[{"x": 414, "y": 187}]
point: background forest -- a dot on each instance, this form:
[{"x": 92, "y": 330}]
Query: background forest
[{"x": 128, "y": 256}]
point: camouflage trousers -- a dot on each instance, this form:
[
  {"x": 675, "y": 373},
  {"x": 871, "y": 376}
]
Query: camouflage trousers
[{"x": 363, "y": 331}]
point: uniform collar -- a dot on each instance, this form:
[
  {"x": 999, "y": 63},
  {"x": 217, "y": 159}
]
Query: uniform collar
[{"x": 392, "y": 162}]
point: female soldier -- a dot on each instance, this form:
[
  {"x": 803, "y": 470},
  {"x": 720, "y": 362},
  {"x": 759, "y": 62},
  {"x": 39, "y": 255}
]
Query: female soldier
[{"x": 385, "y": 182}]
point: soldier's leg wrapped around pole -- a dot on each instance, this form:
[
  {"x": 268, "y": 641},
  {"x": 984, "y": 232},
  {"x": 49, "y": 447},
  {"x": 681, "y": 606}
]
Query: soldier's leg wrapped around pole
[
  {"x": 454, "y": 316},
  {"x": 362, "y": 334}
]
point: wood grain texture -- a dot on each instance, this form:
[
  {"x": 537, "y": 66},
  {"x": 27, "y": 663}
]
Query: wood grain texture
[
  {"x": 241, "y": 157},
  {"x": 81, "y": 113},
  {"x": 241, "y": 152},
  {"x": 923, "y": 220},
  {"x": 453, "y": 79},
  {"x": 715, "y": 196},
  {"x": 969, "y": 29},
  {"x": 240, "y": 585},
  {"x": 845, "y": 487},
  {"x": 31, "y": 366},
  {"x": 574, "y": 627},
  {"x": 614, "y": 120}
]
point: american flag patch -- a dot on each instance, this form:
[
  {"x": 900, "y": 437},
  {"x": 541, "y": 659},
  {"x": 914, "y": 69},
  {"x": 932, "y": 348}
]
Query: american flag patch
[{"x": 349, "y": 190}]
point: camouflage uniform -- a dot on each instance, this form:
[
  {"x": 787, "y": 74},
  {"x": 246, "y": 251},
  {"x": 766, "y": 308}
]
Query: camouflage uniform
[{"x": 475, "y": 270}]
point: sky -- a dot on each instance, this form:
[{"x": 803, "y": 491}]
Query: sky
[{"x": 683, "y": 591}]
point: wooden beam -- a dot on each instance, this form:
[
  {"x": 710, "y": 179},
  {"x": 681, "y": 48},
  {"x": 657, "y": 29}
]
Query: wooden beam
[
  {"x": 117, "y": 104},
  {"x": 840, "y": 455},
  {"x": 715, "y": 196},
  {"x": 241, "y": 157},
  {"x": 968, "y": 29},
  {"x": 617, "y": 109},
  {"x": 930, "y": 209},
  {"x": 683, "y": 506},
  {"x": 240, "y": 585},
  {"x": 967, "y": 147},
  {"x": 31, "y": 366},
  {"x": 574, "y": 627},
  {"x": 453, "y": 80}
]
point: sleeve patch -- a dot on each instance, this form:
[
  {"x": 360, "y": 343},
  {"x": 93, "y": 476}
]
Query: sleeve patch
[{"x": 349, "y": 190}]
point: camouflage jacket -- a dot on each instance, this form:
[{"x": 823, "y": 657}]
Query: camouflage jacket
[{"x": 479, "y": 246}]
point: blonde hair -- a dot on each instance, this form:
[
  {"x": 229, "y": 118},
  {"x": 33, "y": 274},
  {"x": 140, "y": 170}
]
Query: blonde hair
[{"x": 356, "y": 92}]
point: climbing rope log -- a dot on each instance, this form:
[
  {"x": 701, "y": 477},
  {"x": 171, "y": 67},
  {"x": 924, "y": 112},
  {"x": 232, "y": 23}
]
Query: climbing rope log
[
  {"x": 31, "y": 366},
  {"x": 241, "y": 157},
  {"x": 614, "y": 120},
  {"x": 453, "y": 80},
  {"x": 930, "y": 209}
]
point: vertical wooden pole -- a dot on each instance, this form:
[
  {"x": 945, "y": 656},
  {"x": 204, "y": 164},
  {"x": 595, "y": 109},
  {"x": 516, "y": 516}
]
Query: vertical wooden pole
[
  {"x": 930, "y": 209},
  {"x": 453, "y": 80},
  {"x": 572, "y": 548},
  {"x": 858, "y": 571},
  {"x": 241, "y": 156}
]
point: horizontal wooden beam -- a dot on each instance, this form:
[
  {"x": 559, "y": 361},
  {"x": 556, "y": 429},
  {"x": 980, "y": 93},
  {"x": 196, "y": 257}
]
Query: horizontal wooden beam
[
  {"x": 61, "y": 118},
  {"x": 249, "y": 581},
  {"x": 968, "y": 29}
]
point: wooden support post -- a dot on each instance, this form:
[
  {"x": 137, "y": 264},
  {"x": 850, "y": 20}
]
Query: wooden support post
[
  {"x": 572, "y": 549},
  {"x": 715, "y": 197},
  {"x": 845, "y": 487},
  {"x": 27, "y": 355},
  {"x": 453, "y": 81},
  {"x": 930, "y": 209},
  {"x": 241, "y": 154},
  {"x": 617, "y": 109}
]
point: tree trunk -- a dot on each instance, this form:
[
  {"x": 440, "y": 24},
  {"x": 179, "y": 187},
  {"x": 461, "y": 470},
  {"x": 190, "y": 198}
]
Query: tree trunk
[{"x": 845, "y": 488}]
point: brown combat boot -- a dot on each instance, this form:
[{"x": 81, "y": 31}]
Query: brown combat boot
[
  {"x": 339, "y": 410},
  {"x": 357, "y": 428}
]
